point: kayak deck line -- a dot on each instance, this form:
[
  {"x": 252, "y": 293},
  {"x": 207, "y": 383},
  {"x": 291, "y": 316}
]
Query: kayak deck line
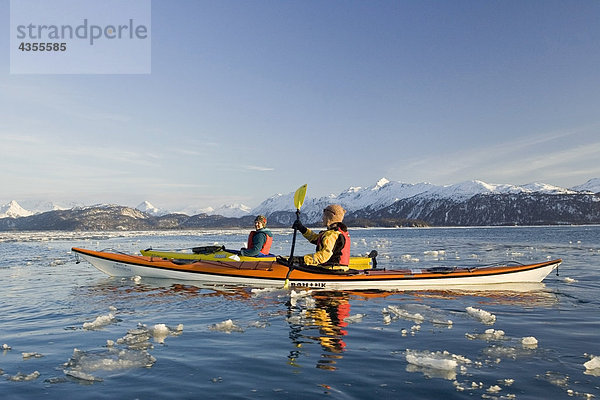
[{"x": 273, "y": 273}]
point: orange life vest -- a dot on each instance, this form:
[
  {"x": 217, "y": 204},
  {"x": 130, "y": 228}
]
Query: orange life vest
[
  {"x": 341, "y": 250},
  {"x": 266, "y": 247}
]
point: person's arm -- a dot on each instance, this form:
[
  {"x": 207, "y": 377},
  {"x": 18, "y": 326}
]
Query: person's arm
[
  {"x": 258, "y": 242},
  {"x": 323, "y": 255},
  {"x": 311, "y": 236}
]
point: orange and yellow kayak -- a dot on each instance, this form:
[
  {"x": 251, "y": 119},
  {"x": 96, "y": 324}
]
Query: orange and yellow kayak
[{"x": 273, "y": 273}]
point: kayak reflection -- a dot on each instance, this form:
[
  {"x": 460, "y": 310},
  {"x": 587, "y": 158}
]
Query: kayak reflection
[{"x": 319, "y": 317}]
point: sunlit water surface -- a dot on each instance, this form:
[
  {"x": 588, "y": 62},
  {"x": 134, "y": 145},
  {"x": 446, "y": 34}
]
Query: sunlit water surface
[{"x": 68, "y": 330}]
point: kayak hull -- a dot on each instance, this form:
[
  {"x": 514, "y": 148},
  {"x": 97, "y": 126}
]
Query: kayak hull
[{"x": 273, "y": 274}]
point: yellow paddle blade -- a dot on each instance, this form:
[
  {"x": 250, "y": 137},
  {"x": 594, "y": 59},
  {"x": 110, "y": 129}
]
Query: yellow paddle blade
[{"x": 299, "y": 196}]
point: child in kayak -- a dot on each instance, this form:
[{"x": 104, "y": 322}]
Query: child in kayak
[
  {"x": 259, "y": 240},
  {"x": 333, "y": 244}
]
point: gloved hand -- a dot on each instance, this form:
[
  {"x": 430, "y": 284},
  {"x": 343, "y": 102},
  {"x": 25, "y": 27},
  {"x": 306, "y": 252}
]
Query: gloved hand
[
  {"x": 298, "y": 225},
  {"x": 298, "y": 260}
]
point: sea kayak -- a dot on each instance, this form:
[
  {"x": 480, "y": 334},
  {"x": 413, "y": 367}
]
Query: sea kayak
[
  {"x": 273, "y": 273},
  {"x": 220, "y": 253}
]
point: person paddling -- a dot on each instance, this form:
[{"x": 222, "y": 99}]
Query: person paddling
[
  {"x": 333, "y": 244},
  {"x": 259, "y": 240}
]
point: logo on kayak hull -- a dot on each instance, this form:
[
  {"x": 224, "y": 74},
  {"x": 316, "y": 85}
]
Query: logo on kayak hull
[{"x": 309, "y": 284}]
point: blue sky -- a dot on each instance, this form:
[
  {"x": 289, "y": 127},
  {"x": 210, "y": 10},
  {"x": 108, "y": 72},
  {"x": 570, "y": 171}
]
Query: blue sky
[{"x": 247, "y": 99}]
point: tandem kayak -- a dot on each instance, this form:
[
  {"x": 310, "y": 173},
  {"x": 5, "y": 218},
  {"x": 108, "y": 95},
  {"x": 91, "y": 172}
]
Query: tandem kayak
[{"x": 265, "y": 273}]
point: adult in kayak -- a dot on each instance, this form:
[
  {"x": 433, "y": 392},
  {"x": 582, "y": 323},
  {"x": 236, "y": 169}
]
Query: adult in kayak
[
  {"x": 333, "y": 244},
  {"x": 259, "y": 240}
]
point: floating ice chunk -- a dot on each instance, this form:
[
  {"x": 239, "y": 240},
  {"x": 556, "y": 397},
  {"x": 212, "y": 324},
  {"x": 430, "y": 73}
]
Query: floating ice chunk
[
  {"x": 136, "y": 279},
  {"x": 592, "y": 367},
  {"x": 31, "y": 355},
  {"x": 437, "y": 321},
  {"x": 6, "y": 347},
  {"x": 482, "y": 315},
  {"x": 489, "y": 334},
  {"x": 263, "y": 291},
  {"x": 295, "y": 296},
  {"x": 529, "y": 342},
  {"x": 82, "y": 376},
  {"x": 111, "y": 359},
  {"x": 227, "y": 326},
  {"x": 428, "y": 359},
  {"x": 136, "y": 339},
  {"x": 409, "y": 258},
  {"x": 569, "y": 280},
  {"x": 258, "y": 324},
  {"x": 99, "y": 322},
  {"x": 494, "y": 389},
  {"x": 354, "y": 318},
  {"x": 160, "y": 333},
  {"x": 406, "y": 314},
  {"x": 112, "y": 308},
  {"x": 508, "y": 381},
  {"x": 20, "y": 377}
]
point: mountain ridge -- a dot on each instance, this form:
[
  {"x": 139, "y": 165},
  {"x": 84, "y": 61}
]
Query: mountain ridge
[{"x": 385, "y": 203}]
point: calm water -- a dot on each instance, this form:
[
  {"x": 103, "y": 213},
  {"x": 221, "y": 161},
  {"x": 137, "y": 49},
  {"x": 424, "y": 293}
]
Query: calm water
[{"x": 245, "y": 343}]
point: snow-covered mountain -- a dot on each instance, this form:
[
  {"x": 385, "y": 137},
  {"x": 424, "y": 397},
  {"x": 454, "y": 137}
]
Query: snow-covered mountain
[
  {"x": 14, "y": 210},
  {"x": 591, "y": 186},
  {"x": 231, "y": 210},
  {"x": 385, "y": 193},
  {"x": 366, "y": 200},
  {"x": 148, "y": 208}
]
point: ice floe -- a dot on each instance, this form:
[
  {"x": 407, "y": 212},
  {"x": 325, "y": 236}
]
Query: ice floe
[
  {"x": 129, "y": 351},
  {"x": 418, "y": 313},
  {"x": 442, "y": 364},
  {"x": 592, "y": 367},
  {"x": 303, "y": 295},
  {"x": 82, "y": 364},
  {"x": 352, "y": 319},
  {"x": 5, "y": 347},
  {"x": 20, "y": 376},
  {"x": 489, "y": 334},
  {"x": 100, "y": 322},
  {"x": 27, "y": 356},
  {"x": 482, "y": 315},
  {"x": 227, "y": 326},
  {"x": 160, "y": 332},
  {"x": 529, "y": 342},
  {"x": 494, "y": 389},
  {"x": 401, "y": 313}
]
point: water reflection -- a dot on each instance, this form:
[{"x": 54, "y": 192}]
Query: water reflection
[{"x": 319, "y": 317}]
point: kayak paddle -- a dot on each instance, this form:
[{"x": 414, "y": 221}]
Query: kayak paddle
[{"x": 298, "y": 200}]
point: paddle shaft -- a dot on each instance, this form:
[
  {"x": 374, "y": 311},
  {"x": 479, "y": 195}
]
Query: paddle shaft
[
  {"x": 294, "y": 238},
  {"x": 290, "y": 260}
]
